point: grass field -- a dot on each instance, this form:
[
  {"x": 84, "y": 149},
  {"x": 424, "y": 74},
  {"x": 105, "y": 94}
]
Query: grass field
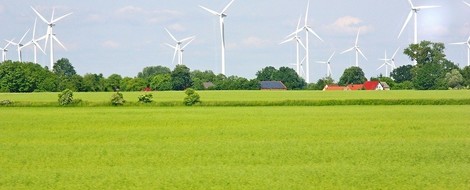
[
  {"x": 333, "y": 147},
  {"x": 246, "y": 96}
]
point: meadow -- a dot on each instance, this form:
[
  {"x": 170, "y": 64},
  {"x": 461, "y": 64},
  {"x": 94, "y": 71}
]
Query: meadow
[
  {"x": 242, "y": 97},
  {"x": 284, "y": 147}
]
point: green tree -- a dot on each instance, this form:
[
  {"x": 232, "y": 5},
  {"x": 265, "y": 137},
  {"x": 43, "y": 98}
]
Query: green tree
[
  {"x": 402, "y": 74},
  {"x": 466, "y": 75},
  {"x": 454, "y": 79},
  {"x": 266, "y": 74},
  {"x": 426, "y": 52},
  {"x": 162, "y": 82},
  {"x": 352, "y": 75},
  {"x": 149, "y": 72},
  {"x": 93, "y": 82},
  {"x": 113, "y": 82},
  {"x": 25, "y": 77},
  {"x": 427, "y": 77},
  {"x": 134, "y": 84},
  {"x": 63, "y": 67},
  {"x": 286, "y": 75},
  {"x": 181, "y": 78},
  {"x": 321, "y": 83}
]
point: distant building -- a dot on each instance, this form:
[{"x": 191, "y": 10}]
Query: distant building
[
  {"x": 272, "y": 85},
  {"x": 356, "y": 87},
  {"x": 334, "y": 87},
  {"x": 208, "y": 85},
  {"x": 368, "y": 85},
  {"x": 385, "y": 86}
]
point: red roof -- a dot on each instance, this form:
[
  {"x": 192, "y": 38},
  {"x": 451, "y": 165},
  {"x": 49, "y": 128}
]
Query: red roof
[
  {"x": 355, "y": 86},
  {"x": 334, "y": 87},
  {"x": 371, "y": 85}
]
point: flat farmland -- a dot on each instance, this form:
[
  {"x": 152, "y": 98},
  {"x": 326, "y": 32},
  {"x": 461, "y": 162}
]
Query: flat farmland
[
  {"x": 245, "y": 96},
  {"x": 332, "y": 147}
]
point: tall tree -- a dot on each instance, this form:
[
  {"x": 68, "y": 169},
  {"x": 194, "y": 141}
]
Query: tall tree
[
  {"x": 402, "y": 74},
  {"x": 149, "y": 72},
  {"x": 63, "y": 67},
  {"x": 113, "y": 82},
  {"x": 181, "y": 78},
  {"x": 352, "y": 75}
]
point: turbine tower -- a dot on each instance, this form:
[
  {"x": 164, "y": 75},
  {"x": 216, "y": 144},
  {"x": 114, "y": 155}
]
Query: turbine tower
[
  {"x": 5, "y": 50},
  {"x": 468, "y": 49},
  {"x": 328, "y": 64},
  {"x": 386, "y": 64},
  {"x": 299, "y": 43},
  {"x": 178, "y": 47},
  {"x": 414, "y": 12},
  {"x": 357, "y": 49},
  {"x": 35, "y": 43},
  {"x": 19, "y": 46},
  {"x": 221, "y": 16},
  {"x": 50, "y": 33}
]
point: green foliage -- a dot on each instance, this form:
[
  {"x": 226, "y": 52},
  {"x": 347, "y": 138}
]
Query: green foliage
[
  {"x": 117, "y": 99},
  {"x": 162, "y": 82},
  {"x": 146, "y": 98},
  {"x": 25, "y": 77},
  {"x": 148, "y": 73},
  {"x": 63, "y": 67},
  {"x": 454, "y": 79},
  {"x": 181, "y": 78},
  {"x": 426, "y": 52},
  {"x": 6, "y": 102},
  {"x": 66, "y": 97},
  {"x": 94, "y": 82},
  {"x": 402, "y": 73},
  {"x": 113, "y": 83},
  {"x": 321, "y": 83},
  {"x": 237, "y": 83},
  {"x": 466, "y": 76},
  {"x": 352, "y": 75},
  {"x": 286, "y": 75},
  {"x": 192, "y": 97},
  {"x": 133, "y": 84}
]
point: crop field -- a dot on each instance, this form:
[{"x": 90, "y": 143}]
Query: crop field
[
  {"x": 246, "y": 96},
  {"x": 283, "y": 147}
]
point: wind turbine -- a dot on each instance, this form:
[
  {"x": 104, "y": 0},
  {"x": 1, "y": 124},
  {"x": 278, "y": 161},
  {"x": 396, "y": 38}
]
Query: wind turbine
[
  {"x": 468, "y": 48},
  {"x": 357, "y": 49},
  {"x": 414, "y": 12},
  {"x": 299, "y": 43},
  {"x": 308, "y": 30},
  {"x": 178, "y": 47},
  {"x": 35, "y": 43},
  {"x": 19, "y": 46},
  {"x": 392, "y": 59},
  {"x": 50, "y": 34},
  {"x": 328, "y": 64},
  {"x": 182, "y": 49},
  {"x": 221, "y": 16},
  {"x": 386, "y": 64},
  {"x": 5, "y": 50}
]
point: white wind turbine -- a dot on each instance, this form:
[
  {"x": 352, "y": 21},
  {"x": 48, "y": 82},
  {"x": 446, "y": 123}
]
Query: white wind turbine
[
  {"x": 35, "y": 43},
  {"x": 386, "y": 64},
  {"x": 414, "y": 11},
  {"x": 308, "y": 30},
  {"x": 221, "y": 16},
  {"x": 178, "y": 47},
  {"x": 328, "y": 64},
  {"x": 468, "y": 49},
  {"x": 19, "y": 46},
  {"x": 299, "y": 43},
  {"x": 392, "y": 59},
  {"x": 50, "y": 33},
  {"x": 357, "y": 49},
  {"x": 468, "y": 4},
  {"x": 5, "y": 50}
]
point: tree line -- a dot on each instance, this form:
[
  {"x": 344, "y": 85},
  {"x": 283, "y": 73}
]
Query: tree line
[{"x": 432, "y": 72}]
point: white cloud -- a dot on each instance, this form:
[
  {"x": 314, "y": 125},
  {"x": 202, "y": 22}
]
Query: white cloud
[
  {"x": 111, "y": 44},
  {"x": 349, "y": 24}
]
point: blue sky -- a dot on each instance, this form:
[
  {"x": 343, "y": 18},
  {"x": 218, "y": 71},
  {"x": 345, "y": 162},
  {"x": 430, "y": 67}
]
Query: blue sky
[{"x": 125, "y": 36}]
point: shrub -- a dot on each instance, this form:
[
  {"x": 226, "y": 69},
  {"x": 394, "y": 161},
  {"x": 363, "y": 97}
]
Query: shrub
[
  {"x": 146, "y": 98},
  {"x": 117, "y": 99},
  {"x": 6, "y": 102},
  {"x": 191, "y": 98},
  {"x": 66, "y": 97}
]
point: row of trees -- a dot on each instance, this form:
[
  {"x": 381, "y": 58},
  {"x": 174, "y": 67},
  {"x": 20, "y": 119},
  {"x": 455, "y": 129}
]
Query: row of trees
[{"x": 432, "y": 71}]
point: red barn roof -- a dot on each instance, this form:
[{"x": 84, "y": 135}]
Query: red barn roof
[
  {"x": 355, "y": 87},
  {"x": 371, "y": 85}
]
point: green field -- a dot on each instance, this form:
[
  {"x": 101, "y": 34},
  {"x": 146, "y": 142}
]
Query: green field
[
  {"x": 247, "y": 96},
  {"x": 332, "y": 147}
]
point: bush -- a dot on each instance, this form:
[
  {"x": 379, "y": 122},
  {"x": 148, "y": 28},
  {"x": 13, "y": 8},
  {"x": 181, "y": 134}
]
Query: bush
[
  {"x": 146, "y": 98},
  {"x": 66, "y": 97},
  {"x": 191, "y": 98},
  {"x": 6, "y": 102},
  {"x": 117, "y": 99}
]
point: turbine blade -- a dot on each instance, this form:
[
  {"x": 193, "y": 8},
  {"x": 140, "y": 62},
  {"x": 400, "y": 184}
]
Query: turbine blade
[
  {"x": 38, "y": 46},
  {"x": 60, "y": 18},
  {"x": 331, "y": 57},
  {"x": 294, "y": 33},
  {"x": 40, "y": 16},
  {"x": 357, "y": 37},
  {"x": 298, "y": 23},
  {"x": 11, "y": 42},
  {"x": 468, "y": 4},
  {"x": 211, "y": 11},
  {"x": 288, "y": 40},
  {"x": 300, "y": 42},
  {"x": 306, "y": 13},
  {"x": 171, "y": 35},
  {"x": 459, "y": 43},
  {"x": 411, "y": 4},
  {"x": 427, "y": 7},
  {"x": 314, "y": 33},
  {"x": 192, "y": 39},
  {"x": 381, "y": 66},
  {"x": 395, "y": 54},
  {"x": 34, "y": 27},
  {"x": 22, "y": 38},
  {"x": 348, "y": 50},
  {"x": 406, "y": 23},
  {"x": 226, "y": 7},
  {"x": 52, "y": 17},
  {"x": 60, "y": 43},
  {"x": 188, "y": 38},
  {"x": 360, "y": 52}
]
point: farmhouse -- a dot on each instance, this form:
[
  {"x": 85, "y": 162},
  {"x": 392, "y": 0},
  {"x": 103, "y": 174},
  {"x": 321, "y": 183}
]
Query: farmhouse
[
  {"x": 368, "y": 85},
  {"x": 272, "y": 85}
]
